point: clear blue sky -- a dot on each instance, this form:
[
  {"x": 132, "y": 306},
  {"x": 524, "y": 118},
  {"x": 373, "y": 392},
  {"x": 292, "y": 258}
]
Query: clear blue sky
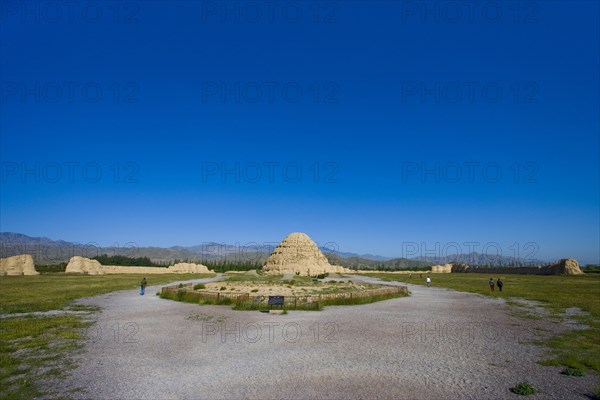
[{"x": 176, "y": 123}]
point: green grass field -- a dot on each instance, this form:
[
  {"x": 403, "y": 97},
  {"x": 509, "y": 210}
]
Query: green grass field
[
  {"x": 33, "y": 348},
  {"x": 577, "y": 349},
  {"x": 54, "y": 291}
]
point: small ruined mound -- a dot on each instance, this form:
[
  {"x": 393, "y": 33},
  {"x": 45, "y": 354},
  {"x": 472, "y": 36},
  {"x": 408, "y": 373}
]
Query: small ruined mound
[
  {"x": 299, "y": 254},
  {"x": 441, "y": 269},
  {"x": 447, "y": 268},
  {"x": 18, "y": 265},
  {"x": 189, "y": 268},
  {"x": 458, "y": 267},
  {"x": 566, "y": 266},
  {"x": 82, "y": 265}
]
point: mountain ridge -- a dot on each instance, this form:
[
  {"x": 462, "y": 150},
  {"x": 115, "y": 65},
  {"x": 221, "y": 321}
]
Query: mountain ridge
[{"x": 49, "y": 251}]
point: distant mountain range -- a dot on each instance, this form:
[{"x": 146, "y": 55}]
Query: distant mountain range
[{"x": 49, "y": 251}]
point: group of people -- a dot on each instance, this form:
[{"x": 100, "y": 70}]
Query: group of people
[
  {"x": 498, "y": 283},
  {"x": 493, "y": 284}
]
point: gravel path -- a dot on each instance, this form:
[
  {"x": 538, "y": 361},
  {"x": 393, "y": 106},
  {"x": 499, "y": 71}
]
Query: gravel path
[{"x": 435, "y": 344}]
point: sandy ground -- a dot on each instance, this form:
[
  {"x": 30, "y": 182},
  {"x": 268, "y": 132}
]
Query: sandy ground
[
  {"x": 267, "y": 289},
  {"x": 435, "y": 344}
]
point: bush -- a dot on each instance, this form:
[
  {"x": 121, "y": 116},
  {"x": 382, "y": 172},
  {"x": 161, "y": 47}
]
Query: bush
[
  {"x": 223, "y": 288},
  {"x": 190, "y": 297},
  {"x": 254, "y": 290},
  {"x": 573, "y": 371},
  {"x": 199, "y": 286},
  {"x": 523, "y": 389}
]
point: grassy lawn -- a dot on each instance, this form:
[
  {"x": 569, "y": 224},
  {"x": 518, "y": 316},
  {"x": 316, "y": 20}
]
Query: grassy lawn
[
  {"x": 34, "y": 348},
  {"x": 577, "y": 349},
  {"x": 55, "y": 291}
]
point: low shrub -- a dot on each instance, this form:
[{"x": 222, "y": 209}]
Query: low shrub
[
  {"x": 573, "y": 371},
  {"x": 199, "y": 286},
  {"x": 523, "y": 389},
  {"x": 225, "y": 301}
]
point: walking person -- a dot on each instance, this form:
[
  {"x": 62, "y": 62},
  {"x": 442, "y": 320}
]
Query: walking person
[
  {"x": 499, "y": 283},
  {"x": 143, "y": 286},
  {"x": 428, "y": 280},
  {"x": 492, "y": 284}
]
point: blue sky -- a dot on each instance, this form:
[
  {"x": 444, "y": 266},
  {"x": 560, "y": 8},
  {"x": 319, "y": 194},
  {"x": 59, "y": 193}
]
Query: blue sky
[{"x": 372, "y": 125}]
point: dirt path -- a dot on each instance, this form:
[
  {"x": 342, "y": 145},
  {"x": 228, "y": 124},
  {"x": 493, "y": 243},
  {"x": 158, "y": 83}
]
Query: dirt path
[{"x": 435, "y": 344}]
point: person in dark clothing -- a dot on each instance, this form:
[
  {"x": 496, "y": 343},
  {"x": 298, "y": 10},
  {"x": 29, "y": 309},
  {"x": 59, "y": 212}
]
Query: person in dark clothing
[
  {"x": 143, "y": 286},
  {"x": 492, "y": 284},
  {"x": 499, "y": 283}
]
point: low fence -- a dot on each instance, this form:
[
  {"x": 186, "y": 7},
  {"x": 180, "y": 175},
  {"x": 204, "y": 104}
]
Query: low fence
[{"x": 188, "y": 294}]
